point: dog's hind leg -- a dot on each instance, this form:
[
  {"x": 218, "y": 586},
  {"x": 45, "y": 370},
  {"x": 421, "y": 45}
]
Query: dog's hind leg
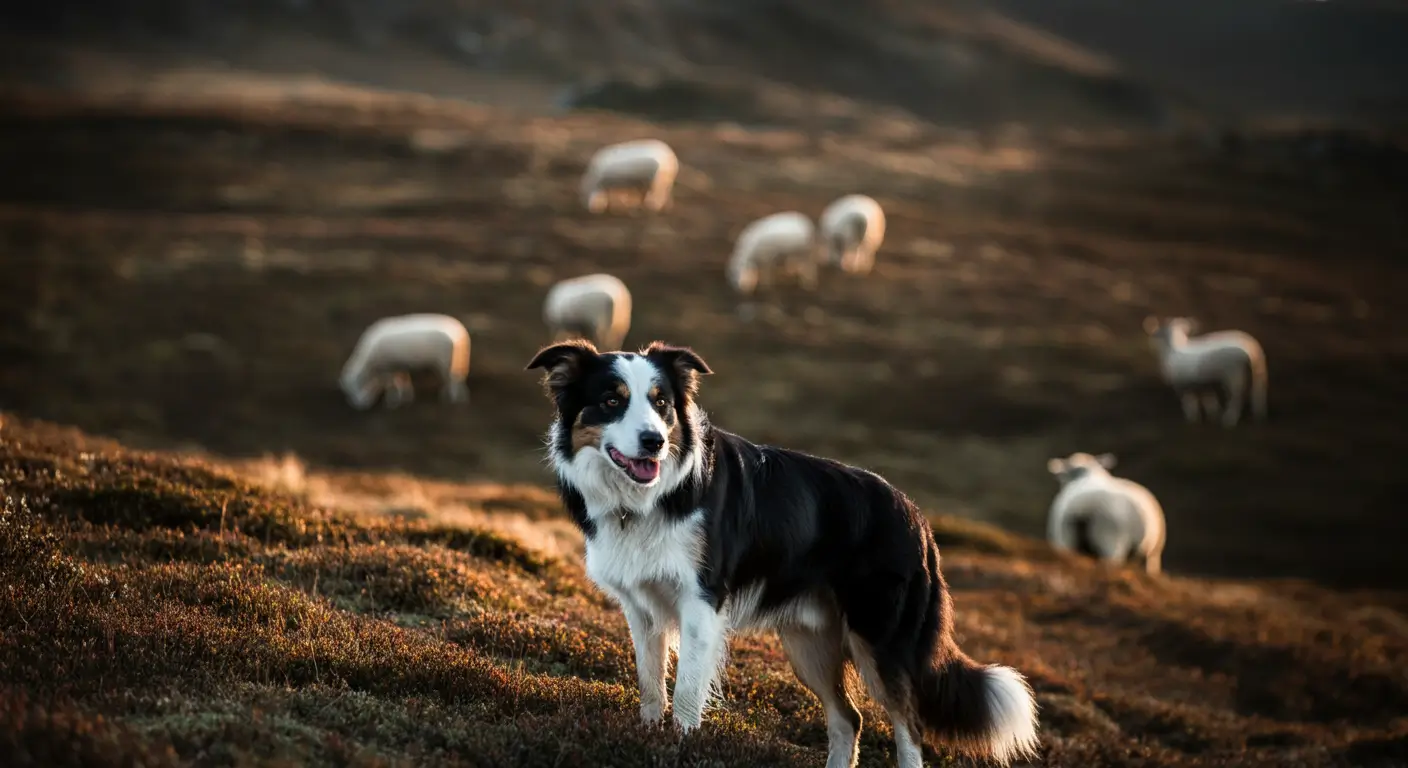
[
  {"x": 819, "y": 661},
  {"x": 898, "y": 704},
  {"x": 908, "y": 737},
  {"x": 703, "y": 643}
]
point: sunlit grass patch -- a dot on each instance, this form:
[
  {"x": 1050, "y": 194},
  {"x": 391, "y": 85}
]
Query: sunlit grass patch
[{"x": 432, "y": 581}]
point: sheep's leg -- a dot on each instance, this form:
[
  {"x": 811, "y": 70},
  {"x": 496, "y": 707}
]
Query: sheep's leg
[
  {"x": 765, "y": 278},
  {"x": 1236, "y": 387},
  {"x": 836, "y": 251},
  {"x": 1190, "y": 406},
  {"x": 1108, "y": 540},
  {"x": 658, "y": 197},
  {"x": 1116, "y": 551},
  {"x": 456, "y": 390},
  {"x": 807, "y": 274},
  {"x": 1153, "y": 563},
  {"x": 597, "y": 201},
  {"x": 400, "y": 391},
  {"x": 867, "y": 261},
  {"x": 1210, "y": 404},
  {"x": 851, "y": 259}
]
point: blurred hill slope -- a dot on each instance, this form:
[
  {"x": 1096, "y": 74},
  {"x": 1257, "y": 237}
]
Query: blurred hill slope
[{"x": 966, "y": 63}]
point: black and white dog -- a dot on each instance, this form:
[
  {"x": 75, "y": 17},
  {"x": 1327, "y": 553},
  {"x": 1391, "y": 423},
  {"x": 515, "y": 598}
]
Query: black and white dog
[{"x": 698, "y": 533}]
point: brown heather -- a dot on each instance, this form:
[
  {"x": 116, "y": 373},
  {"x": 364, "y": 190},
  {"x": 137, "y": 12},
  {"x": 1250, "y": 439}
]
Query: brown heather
[{"x": 162, "y": 611}]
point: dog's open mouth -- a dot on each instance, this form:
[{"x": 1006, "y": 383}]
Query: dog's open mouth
[{"x": 639, "y": 470}]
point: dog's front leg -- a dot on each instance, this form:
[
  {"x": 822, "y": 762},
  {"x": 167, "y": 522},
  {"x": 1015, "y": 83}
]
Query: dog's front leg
[
  {"x": 652, "y": 645},
  {"x": 702, "y": 646}
]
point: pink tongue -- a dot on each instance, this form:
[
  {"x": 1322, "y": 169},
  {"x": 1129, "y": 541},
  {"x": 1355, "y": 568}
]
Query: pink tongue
[{"x": 643, "y": 470}]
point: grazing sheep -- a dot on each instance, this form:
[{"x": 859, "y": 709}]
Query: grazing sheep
[
  {"x": 853, "y": 228},
  {"x": 1232, "y": 360},
  {"x": 1107, "y": 517},
  {"x": 781, "y": 239},
  {"x": 595, "y": 307},
  {"x": 392, "y": 347},
  {"x": 646, "y": 167}
]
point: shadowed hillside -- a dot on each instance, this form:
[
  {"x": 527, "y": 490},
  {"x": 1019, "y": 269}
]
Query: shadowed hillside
[
  {"x": 161, "y": 611},
  {"x": 1165, "y": 64}
]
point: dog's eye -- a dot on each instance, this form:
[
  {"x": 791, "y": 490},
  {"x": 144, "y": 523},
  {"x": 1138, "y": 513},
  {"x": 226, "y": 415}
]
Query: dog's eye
[
  {"x": 612, "y": 402},
  {"x": 659, "y": 402}
]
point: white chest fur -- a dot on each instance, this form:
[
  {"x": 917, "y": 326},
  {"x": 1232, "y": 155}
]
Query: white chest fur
[
  {"x": 650, "y": 560},
  {"x": 652, "y": 564}
]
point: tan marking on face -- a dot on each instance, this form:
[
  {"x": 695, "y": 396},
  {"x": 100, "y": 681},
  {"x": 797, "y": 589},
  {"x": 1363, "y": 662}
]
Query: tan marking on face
[
  {"x": 623, "y": 390},
  {"x": 584, "y": 436},
  {"x": 676, "y": 438},
  {"x": 676, "y": 435}
]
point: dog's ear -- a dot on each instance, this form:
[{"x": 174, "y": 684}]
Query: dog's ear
[
  {"x": 686, "y": 364},
  {"x": 1106, "y": 460},
  {"x": 1055, "y": 466},
  {"x": 564, "y": 362},
  {"x": 1151, "y": 324}
]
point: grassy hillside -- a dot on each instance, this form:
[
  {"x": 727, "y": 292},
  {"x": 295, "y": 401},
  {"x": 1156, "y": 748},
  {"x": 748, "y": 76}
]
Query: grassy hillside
[
  {"x": 186, "y": 259},
  {"x": 163, "y": 611}
]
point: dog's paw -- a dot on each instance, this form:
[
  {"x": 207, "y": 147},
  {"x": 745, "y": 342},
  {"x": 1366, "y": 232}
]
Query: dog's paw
[
  {"x": 686, "y": 724},
  {"x": 652, "y": 714}
]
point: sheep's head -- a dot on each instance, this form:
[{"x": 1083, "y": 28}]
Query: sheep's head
[
  {"x": 1183, "y": 326},
  {"x": 361, "y": 391},
  {"x": 1163, "y": 333},
  {"x": 744, "y": 279},
  {"x": 593, "y": 197},
  {"x": 1079, "y": 465}
]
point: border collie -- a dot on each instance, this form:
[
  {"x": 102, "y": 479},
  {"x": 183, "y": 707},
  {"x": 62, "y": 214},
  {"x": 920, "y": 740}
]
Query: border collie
[{"x": 698, "y": 533}]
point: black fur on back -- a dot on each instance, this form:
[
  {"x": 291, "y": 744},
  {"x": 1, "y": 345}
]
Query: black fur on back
[{"x": 799, "y": 523}]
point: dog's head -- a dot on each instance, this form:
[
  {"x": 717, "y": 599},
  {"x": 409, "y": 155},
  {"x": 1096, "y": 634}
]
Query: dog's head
[{"x": 626, "y": 422}]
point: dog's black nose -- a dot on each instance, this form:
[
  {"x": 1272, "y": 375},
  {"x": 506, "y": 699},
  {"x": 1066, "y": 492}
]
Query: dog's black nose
[{"x": 651, "y": 441}]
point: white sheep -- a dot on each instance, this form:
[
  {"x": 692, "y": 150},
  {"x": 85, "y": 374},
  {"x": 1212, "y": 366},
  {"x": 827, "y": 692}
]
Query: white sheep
[
  {"x": 853, "y": 228},
  {"x": 595, "y": 307},
  {"x": 1232, "y": 360},
  {"x": 786, "y": 240},
  {"x": 645, "y": 167},
  {"x": 1108, "y": 517},
  {"x": 391, "y": 348}
]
